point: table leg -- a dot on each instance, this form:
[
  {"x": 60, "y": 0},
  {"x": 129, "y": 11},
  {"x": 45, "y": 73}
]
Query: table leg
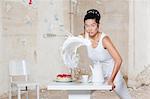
[
  {"x": 19, "y": 93},
  {"x": 37, "y": 91},
  {"x": 79, "y": 94}
]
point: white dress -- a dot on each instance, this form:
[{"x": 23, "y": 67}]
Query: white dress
[{"x": 102, "y": 56}]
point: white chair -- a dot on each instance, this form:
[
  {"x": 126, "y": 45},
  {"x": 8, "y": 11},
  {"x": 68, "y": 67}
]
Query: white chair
[{"x": 18, "y": 69}]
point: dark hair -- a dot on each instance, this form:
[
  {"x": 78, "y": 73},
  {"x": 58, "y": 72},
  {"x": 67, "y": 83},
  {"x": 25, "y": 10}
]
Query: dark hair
[{"x": 93, "y": 14}]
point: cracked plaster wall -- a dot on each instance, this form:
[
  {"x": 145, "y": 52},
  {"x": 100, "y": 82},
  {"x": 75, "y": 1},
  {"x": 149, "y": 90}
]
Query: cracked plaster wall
[
  {"x": 24, "y": 29},
  {"x": 24, "y": 34}
]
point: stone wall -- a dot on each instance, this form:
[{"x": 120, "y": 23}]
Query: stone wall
[
  {"x": 32, "y": 32},
  {"x": 139, "y": 43},
  {"x": 36, "y": 32}
]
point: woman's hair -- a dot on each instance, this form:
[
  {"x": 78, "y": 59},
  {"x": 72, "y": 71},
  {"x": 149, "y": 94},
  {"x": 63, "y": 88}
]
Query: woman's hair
[{"x": 93, "y": 14}]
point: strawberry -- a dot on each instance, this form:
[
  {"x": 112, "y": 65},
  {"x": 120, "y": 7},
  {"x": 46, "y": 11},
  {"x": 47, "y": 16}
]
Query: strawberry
[{"x": 63, "y": 75}]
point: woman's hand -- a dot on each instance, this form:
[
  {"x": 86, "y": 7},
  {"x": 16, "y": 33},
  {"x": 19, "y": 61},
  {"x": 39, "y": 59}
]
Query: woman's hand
[
  {"x": 109, "y": 82},
  {"x": 86, "y": 35}
]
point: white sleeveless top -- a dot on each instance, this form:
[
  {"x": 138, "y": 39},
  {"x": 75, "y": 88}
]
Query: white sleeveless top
[{"x": 102, "y": 56}]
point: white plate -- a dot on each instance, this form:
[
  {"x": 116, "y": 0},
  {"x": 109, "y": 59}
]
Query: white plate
[{"x": 56, "y": 80}]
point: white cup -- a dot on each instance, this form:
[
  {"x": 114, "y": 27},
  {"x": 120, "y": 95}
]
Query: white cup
[{"x": 84, "y": 78}]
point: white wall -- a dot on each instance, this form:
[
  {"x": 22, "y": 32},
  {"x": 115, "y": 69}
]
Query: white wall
[
  {"x": 139, "y": 43},
  {"x": 0, "y": 30},
  {"x": 22, "y": 35},
  {"x": 3, "y": 68},
  {"x": 52, "y": 18}
]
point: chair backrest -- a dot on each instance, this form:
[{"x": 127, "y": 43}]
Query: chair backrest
[{"x": 18, "y": 68}]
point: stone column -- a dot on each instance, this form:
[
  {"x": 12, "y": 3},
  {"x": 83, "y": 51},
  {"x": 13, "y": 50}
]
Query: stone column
[
  {"x": 138, "y": 39},
  {"x": 0, "y": 26}
]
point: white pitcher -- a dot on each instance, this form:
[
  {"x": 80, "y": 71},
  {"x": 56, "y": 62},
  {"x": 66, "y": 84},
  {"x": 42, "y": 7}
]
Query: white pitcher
[{"x": 97, "y": 73}]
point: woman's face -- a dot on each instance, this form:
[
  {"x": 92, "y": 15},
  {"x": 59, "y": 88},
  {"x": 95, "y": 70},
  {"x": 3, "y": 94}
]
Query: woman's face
[{"x": 91, "y": 27}]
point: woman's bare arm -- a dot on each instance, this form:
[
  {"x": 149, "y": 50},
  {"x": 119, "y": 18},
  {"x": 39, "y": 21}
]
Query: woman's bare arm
[{"x": 107, "y": 43}]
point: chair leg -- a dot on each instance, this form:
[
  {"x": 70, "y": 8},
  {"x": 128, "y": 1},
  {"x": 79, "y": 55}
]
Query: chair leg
[
  {"x": 27, "y": 97},
  {"x": 10, "y": 93},
  {"x": 27, "y": 93},
  {"x": 37, "y": 91},
  {"x": 19, "y": 93}
]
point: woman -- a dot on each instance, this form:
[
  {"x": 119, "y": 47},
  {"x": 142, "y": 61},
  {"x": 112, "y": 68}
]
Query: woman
[{"x": 102, "y": 50}]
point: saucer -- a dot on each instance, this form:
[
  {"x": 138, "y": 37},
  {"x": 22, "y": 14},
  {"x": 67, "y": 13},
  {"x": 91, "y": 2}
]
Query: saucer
[{"x": 84, "y": 82}]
